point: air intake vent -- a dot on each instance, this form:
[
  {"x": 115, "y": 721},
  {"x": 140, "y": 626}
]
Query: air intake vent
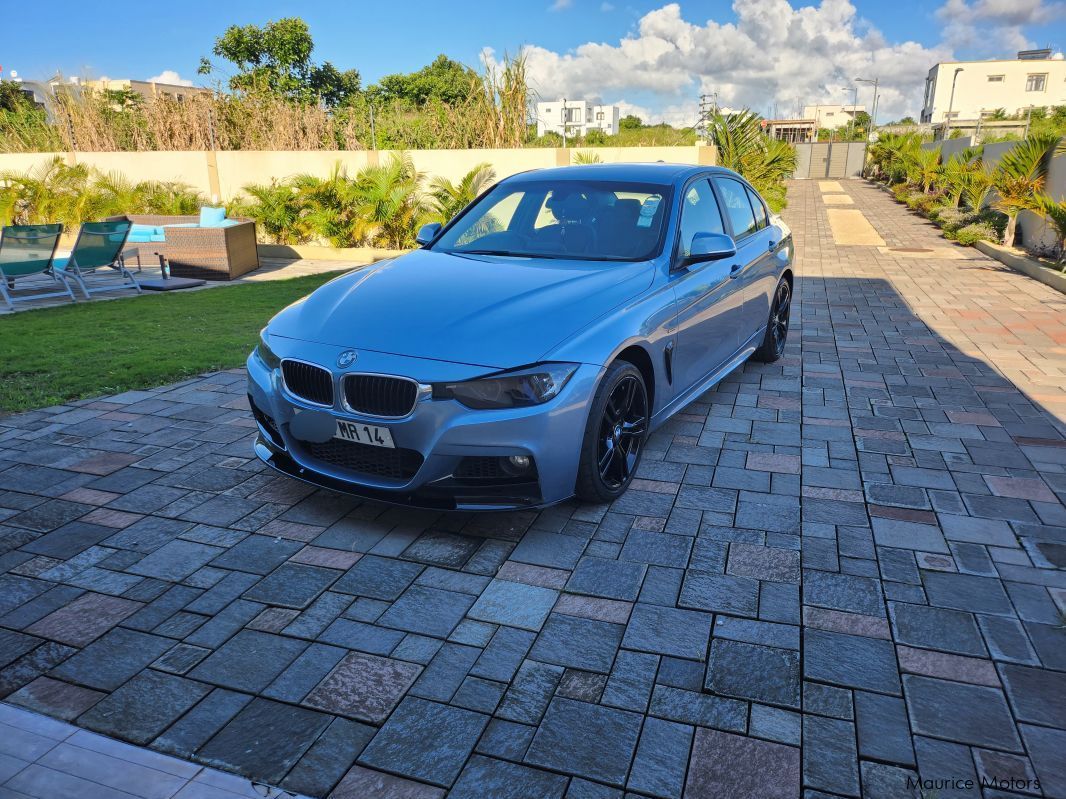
[
  {"x": 312, "y": 383},
  {"x": 380, "y": 395},
  {"x": 394, "y": 464}
]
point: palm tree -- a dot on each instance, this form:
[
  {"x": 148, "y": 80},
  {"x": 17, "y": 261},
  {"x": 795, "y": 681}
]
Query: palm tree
[
  {"x": 979, "y": 184},
  {"x": 923, "y": 168},
  {"x": 1020, "y": 178},
  {"x": 1055, "y": 213},
  {"x": 956, "y": 172},
  {"x": 448, "y": 199},
  {"x": 889, "y": 154},
  {"x": 277, "y": 209},
  {"x": 390, "y": 199},
  {"x": 744, "y": 147},
  {"x": 330, "y": 207},
  {"x": 582, "y": 157}
]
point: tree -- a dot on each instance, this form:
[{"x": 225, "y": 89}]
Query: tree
[
  {"x": 596, "y": 137},
  {"x": 1020, "y": 178},
  {"x": 447, "y": 199},
  {"x": 277, "y": 58},
  {"x": 861, "y": 126},
  {"x": 744, "y": 147},
  {"x": 1055, "y": 213},
  {"x": 13, "y": 98},
  {"x": 923, "y": 168},
  {"x": 445, "y": 80},
  {"x": 630, "y": 122},
  {"x": 957, "y": 172}
]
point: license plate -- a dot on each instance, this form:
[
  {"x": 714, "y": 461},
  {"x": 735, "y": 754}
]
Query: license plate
[{"x": 361, "y": 433}]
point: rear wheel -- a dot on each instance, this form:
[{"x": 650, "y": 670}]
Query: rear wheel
[
  {"x": 773, "y": 343},
  {"x": 615, "y": 434}
]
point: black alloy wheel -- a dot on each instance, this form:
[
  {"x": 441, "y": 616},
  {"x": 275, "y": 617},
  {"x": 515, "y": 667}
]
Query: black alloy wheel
[
  {"x": 615, "y": 435},
  {"x": 773, "y": 345}
]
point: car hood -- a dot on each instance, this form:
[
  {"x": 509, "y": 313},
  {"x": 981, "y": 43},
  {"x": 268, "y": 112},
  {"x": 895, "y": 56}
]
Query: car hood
[{"x": 482, "y": 310}]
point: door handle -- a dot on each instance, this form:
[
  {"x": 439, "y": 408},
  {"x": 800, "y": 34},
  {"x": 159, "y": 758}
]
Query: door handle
[
  {"x": 734, "y": 270},
  {"x": 773, "y": 246}
]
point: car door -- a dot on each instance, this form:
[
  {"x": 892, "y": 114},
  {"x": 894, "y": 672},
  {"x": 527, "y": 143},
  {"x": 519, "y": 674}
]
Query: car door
[
  {"x": 754, "y": 253},
  {"x": 709, "y": 300},
  {"x": 762, "y": 281}
]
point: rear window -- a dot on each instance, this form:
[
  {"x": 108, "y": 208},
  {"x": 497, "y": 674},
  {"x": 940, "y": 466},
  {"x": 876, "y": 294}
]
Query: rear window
[{"x": 737, "y": 207}]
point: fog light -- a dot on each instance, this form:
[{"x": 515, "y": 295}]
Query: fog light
[{"x": 519, "y": 462}]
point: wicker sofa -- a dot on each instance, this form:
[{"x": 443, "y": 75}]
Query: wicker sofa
[{"x": 211, "y": 253}]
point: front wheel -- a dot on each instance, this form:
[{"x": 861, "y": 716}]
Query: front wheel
[
  {"x": 615, "y": 434},
  {"x": 773, "y": 343}
]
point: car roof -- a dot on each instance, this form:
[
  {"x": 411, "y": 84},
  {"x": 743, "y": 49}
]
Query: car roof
[{"x": 655, "y": 173}]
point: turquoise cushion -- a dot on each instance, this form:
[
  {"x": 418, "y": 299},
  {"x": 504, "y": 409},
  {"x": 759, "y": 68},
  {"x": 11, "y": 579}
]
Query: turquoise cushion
[
  {"x": 142, "y": 234},
  {"x": 212, "y": 217}
]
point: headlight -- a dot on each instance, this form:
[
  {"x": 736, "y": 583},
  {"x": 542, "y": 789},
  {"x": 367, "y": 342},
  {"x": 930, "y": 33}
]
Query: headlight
[
  {"x": 266, "y": 355},
  {"x": 518, "y": 389}
]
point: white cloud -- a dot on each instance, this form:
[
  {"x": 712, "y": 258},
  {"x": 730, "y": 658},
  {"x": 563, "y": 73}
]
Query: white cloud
[
  {"x": 770, "y": 54},
  {"x": 994, "y": 27},
  {"x": 561, "y": 5},
  {"x": 606, "y": 7},
  {"x": 170, "y": 76}
]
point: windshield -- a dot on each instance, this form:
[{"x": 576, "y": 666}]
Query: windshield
[{"x": 575, "y": 219}]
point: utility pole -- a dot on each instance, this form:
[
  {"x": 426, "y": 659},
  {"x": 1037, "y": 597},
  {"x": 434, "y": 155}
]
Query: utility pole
[
  {"x": 708, "y": 108},
  {"x": 951, "y": 104},
  {"x": 373, "y": 131},
  {"x": 1028, "y": 121}
]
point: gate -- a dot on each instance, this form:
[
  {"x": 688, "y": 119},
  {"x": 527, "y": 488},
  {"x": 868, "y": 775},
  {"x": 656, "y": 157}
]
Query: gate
[{"x": 821, "y": 160}]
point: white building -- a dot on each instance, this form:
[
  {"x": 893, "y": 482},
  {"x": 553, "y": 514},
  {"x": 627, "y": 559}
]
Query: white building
[
  {"x": 1034, "y": 78},
  {"x": 832, "y": 116},
  {"x": 577, "y": 117}
]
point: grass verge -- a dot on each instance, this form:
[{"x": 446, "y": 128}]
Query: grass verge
[{"x": 55, "y": 355}]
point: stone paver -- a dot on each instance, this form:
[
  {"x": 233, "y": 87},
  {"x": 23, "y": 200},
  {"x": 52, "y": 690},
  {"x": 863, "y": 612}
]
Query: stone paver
[{"x": 836, "y": 573}]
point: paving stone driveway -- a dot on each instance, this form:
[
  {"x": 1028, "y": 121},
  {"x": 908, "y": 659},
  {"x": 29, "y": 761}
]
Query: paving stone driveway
[{"x": 858, "y": 549}]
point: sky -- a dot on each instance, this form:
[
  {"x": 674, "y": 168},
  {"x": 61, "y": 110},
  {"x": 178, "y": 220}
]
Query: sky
[{"x": 652, "y": 58}]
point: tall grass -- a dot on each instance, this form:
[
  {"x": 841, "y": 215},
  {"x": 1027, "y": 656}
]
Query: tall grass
[{"x": 495, "y": 115}]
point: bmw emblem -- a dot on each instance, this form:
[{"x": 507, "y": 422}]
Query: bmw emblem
[{"x": 347, "y": 358}]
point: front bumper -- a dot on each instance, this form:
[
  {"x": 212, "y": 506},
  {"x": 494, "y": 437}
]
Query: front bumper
[{"x": 445, "y": 433}]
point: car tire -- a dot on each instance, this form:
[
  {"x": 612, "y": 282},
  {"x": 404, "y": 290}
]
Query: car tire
[
  {"x": 615, "y": 434},
  {"x": 773, "y": 343}
]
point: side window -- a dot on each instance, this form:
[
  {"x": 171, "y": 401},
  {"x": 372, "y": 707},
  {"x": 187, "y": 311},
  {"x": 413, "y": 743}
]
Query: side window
[
  {"x": 699, "y": 214},
  {"x": 735, "y": 197},
  {"x": 761, "y": 220}
]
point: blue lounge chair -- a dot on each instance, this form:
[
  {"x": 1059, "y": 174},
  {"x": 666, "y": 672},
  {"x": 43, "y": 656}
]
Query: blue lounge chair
[
  {"x": 28, "y": 251},
  {"x": 99, "y": 246}
]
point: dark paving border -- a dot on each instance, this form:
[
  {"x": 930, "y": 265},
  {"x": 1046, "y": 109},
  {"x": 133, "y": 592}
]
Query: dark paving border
[{"x": 859, "y": 549}]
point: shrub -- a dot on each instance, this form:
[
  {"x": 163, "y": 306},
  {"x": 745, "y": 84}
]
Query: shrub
[
  {"x": 951, "y": 219},
  {"x": 975, "y": 232},
  {"x": 901, "y": 191},
  {"x": 930, "y": 204}
]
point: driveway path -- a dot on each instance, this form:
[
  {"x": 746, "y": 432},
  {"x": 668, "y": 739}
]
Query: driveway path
[{"x": 859, "y": 548}]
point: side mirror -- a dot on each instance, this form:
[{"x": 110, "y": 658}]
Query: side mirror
[
  {"x": 427, "y": 233},
  {"x": 710, "y": 247}
]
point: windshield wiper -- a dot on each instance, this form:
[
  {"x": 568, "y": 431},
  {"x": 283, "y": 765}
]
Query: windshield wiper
[{"x": 506, "y": 253}]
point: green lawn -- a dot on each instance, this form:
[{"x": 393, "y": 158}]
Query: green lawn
[{"x": 71, "y": 352}]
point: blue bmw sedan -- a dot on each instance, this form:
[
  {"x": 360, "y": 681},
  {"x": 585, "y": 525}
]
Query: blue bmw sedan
[{"x": 525, "y": 352}]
